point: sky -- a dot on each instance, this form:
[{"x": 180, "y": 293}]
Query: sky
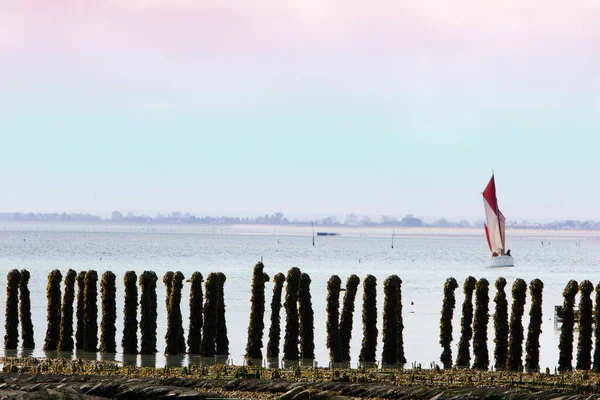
[{"x": 307, "y": 107}]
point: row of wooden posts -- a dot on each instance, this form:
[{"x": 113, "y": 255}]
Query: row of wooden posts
[
  {"x": 509, "y": 334},
  {"x": 207, "y": 333}
]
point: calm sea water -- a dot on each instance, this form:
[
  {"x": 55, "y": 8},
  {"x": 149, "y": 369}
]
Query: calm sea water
[{"x": 423, "y": 258}]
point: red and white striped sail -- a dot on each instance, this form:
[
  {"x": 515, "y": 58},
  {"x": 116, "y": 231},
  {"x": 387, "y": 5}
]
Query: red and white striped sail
[{"x": 495, "y": 221}]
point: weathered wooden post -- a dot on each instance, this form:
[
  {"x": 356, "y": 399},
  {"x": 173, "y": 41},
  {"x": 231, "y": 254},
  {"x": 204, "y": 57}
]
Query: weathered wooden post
[
  {"x": 148, "y": 305},
  {"x": 79, "y": 332},
  {"x": 586, "y": 319},
  {"x": 25, "y": 311},
  {"x": 90, "y": 320},
  {"x": 11, "y": 337},
  {"x": 130, "y": 309},
  {"x": 448, "y": 306},
  {"x": 275, "y": 328},
  {"x": 532, "y": 346},
  {"x": 65, "y": 342},
  {"x": 565, "y": 344},
  {"x": 333, "y": 319},
  {"x": 346, "y": 319},
  {"x": 501, "y": 325},
  {"x": 175, "y": 337},
  {"x": 596, "y": 364},
  {"x": 196, "y": 299},
  {"x": 480, "y": 325},
  {"x": 368, "y": 349},
  {"x": 516, "y": 335},
  {"x": 209, "y": 328},
  {"x": 464, "y": 357},
  {"x": 108, "y": 328},
  {"x": 307, "y": 322},
  {"x": 221, "y": 340},
  {"x": 53, "y": 318},
  {"x": 256, "y": 324},
  {"x": 292, "y": 327}
]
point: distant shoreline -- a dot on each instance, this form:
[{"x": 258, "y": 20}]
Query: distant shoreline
[{"x": 277, "y": 230}]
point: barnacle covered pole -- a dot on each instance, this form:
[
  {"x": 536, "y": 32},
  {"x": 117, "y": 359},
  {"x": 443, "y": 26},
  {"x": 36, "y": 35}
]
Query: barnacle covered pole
[
  {"x": 532, "y": 345},
  {"x": 53, "y": 309},
  {"x": 130, "y": 309},
  {"x": 174, "y": 337},
  {"x": 256, "y": 324},
  {"x": 516, "y": 335},
  {"x": 347, "y": 315},
  {"x": 65, "y": 342},
  {"x": 369, "y": 319},
  {"x": 448, "y": 306},
  {"x": 596, "y": 362},
  {"x": 196, "y": 299},
  {"x": 565, "y": 344},
  {"x": 79, "y": 333},
  {"x": 11, "y": 337},
  {"x": 221, "y": 341},
  {"x": 333, "y": 318},
  {"x": 108, "y": 327},
  {"x": 90, "y": 325},
  {"x": 292, "y": 328},
  {"x": 480, "y": 325},
  {"x": 275, "y": 328},
  {"x": 500, "y": 325},
  {"x": 307, "y": 322},
  {"x": 148, "y": 305},
  {"x": 25, "y": 311},
  {"x": 390, "y": 320},
  {"x": 586, "y": 319},
  {"x": 209, "y": 328},
  {"x": 464, "y": 356}
]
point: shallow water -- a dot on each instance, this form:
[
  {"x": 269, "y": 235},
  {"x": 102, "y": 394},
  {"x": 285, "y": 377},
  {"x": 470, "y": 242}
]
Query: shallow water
[{"x": 422, "y": 258}]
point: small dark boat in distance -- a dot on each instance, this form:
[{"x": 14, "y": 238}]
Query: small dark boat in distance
[{"x": 327, "y": 234}]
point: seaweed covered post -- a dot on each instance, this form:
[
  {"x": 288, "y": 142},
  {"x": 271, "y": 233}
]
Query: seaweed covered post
[
  {"x": 256, "y": 324},
  {"x": 175, "y": 337},
  {"x": 516, "y": 335},
  {"x": 584, "y": 343},
  {"x": 532, "y": 345},
  {"x": 108, "y": 327},
  {"x": 275, "y": 328},
  {"x": 565, "y": 344},
  {"x": 369, "y": 319},
  {"x": 464, "y": 357},
  {"x": 221, "y": 341},
  {"x": 307, "y": 320},
  {"x": 90, "y": 324},
  {"x": 79, "y": 336},
  {"x": 480, "y": 325},
  {"x": 196, "y": 299},
  {"x": 209, "y": 328},
  {"x": 446, "y": 322},
  {"x": 390, "y": 321},
  {"x": 130, "y": 308},
  {"x": 500, "y": 325},
  {"x": 168, "y": 281},
  {"x": 292, "y": 328},
  {"x": 596, "y": 363},
  {"x": 400, "y": 358},
  {"x": 25, "y": 311},
  {"x": 53, "y": 295},
  {"x": 11, "y": 338},
  {"x": 333, "y": 317},
  {"x": 347, "y": 316},
  {"x": 65, "y": 342},
  {"x": 148, "y": 305}
]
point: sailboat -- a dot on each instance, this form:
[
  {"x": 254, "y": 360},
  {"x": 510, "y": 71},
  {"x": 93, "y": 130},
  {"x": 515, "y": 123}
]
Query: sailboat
[{"x": 495, "y": 228}]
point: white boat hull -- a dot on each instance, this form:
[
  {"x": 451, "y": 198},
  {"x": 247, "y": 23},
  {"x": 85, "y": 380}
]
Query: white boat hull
[{"x": 502, "y": 261}]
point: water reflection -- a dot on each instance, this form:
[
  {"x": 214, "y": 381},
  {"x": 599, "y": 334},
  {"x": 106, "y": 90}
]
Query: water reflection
[
  {"x": 10, "y": 352},
  {"x": 148, "y": 360},
  {"x": 26, "y": 353},
  {"x": 87, "y": 355},
  {"x": 130, "y": 359},
  {"x": 108, "y": 357},
  {"x": 175, "y": 360}
]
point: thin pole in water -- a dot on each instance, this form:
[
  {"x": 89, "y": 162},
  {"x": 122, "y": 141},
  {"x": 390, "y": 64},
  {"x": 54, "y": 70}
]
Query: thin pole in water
[
  {"x": 313, "y": 232},
  {"x": 393, "y": 230}
]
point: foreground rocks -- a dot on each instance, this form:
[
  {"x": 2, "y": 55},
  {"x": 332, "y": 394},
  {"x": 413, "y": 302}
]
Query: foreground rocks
[{"x": 42, "y": 386}]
